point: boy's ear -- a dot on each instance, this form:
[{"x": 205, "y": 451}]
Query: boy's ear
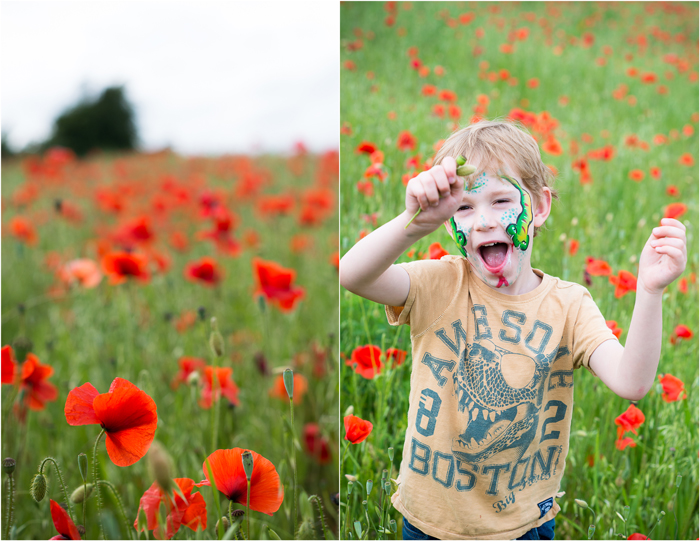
[
  {"x": 543, "y": 208},
  {"x": 449, "y": 228}
]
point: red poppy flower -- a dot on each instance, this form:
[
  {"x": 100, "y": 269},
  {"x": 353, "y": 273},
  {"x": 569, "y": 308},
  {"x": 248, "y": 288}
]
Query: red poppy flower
[
  {"x": 675, "y": 210},
  {"x": 33, "y": 382},
  {"x": 188, "y": 365},
  {"x": 673, "y": 387},
  {"x": 638, "y": 537},
  {"x": 681, "y": 332},
  {"x": 573, "y": 247},
  {"x": 278, "y": 389},
  {"x": 406, "y": 141},
  {"x": 23, "y": 229},
  {"x": 436, "y": 251},
  {"x": 120, "y": 266},
  {"x": 612, "y": 325},
  {"x": 206, "y": 271},
  {"x": 126, "y": 413},
  {"x": 9, "y": 366},
  {"x": 356, "y": 429},
  {"x": 368, "y": 361},
  {"x": 266, "y": 492},
  {"x": 274, "y": 282},
  {"x": 192, "y": 512},
  {"x": 637, "y": 175},
  {"x": 225, "y": 383},
  {"x": 629, "y": 421},
  {"x": 366, "y": 147},
  {"x": 623, "y": 443},
  {"x": 624, "y": 282},
  {"x": 316, "y": 444},
  {"x": 64, "y": 525},
  {"x": 429, "y": 90},
  {"x": 552, "y": 146},
  {"x": 84, "y": 272},
  {"x": 686, "y": 159},
  {"x": 395, "y": 356},
  {"x": 597, "y": 267},
  {"x": 673, "y": 191}
]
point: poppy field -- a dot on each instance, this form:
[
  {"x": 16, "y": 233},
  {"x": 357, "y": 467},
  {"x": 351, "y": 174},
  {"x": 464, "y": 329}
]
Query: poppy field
[
  {"x": 610, "y": 93},
  {"x": 169, "y": 359}
]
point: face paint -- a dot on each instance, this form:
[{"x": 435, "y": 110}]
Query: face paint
[{"x": 519, "y": 230}]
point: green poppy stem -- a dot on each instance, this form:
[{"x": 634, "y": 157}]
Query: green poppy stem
[
  {"x": 247, "y": 510},
  {"x": 294, "y": 466},
  {"x": 96, "y": 484}
]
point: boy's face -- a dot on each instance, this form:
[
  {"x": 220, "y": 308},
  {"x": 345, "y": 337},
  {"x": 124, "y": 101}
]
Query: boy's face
[{"x": 494, "y": 228}]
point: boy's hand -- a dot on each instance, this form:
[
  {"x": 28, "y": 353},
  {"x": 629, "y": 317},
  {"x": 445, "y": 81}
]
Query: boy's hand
[
  {"x": 438, "y": 192},
  {"x": 663, "y": 257}
]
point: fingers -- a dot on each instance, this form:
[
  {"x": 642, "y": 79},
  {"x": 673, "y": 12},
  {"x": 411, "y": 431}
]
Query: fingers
[{"x": 435, "y": 184}]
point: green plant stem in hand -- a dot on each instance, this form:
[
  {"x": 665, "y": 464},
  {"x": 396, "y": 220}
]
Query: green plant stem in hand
[{"x": 463, "y": 170}]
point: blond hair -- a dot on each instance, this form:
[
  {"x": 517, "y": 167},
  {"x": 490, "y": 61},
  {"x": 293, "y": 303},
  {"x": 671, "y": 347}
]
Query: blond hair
[{"x": 491, "y": 145}]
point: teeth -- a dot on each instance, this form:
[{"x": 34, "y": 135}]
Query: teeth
[
  {"x": 492, "y": 416},
  {"x": 486, "y": 414},
  {"x": 475, "y": 413}
]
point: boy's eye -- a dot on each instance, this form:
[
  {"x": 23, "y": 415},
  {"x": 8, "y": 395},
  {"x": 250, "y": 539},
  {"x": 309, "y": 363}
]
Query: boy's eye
[
  {"x": 463, "y": 207},
  {"x": 503, "y": 201}
]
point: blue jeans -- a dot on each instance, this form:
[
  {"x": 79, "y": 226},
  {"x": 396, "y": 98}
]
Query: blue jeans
[{"x": 546, "y": 531}]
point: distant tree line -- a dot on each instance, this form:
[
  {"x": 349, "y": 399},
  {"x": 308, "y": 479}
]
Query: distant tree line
[{"x": 106, "y": 122}]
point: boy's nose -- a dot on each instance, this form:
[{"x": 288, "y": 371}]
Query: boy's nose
[{"x": 486, "y": 221}]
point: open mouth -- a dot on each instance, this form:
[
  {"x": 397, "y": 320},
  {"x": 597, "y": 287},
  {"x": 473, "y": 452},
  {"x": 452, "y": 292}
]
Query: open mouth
[{"x": 495, "y": 256}]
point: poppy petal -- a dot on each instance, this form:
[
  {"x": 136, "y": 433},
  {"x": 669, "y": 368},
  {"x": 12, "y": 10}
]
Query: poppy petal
[
  {"x": 79, "y": 410},
  {"x": 63, "y": 523},
  {"x": 227, "y": 469},
  {"x": 195, "y": 516},
  {"x": 126, "y": 447},
  {"x": 266, "y": 494}
]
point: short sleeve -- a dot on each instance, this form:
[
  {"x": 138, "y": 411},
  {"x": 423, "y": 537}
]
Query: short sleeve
[
  {"x": 434, "y": 286},
  {"x": 590, "y": 331}
]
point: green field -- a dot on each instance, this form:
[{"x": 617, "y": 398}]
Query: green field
[
  {"x": 610, "y": 92},
  {"x": 173, "y": 211}
]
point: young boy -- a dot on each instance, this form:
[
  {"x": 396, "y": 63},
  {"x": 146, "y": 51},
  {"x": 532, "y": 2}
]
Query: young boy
[{"x": 495, "y": 342}]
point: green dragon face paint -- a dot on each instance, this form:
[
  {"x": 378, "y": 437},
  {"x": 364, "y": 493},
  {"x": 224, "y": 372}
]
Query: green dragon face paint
[{"x": 519, "y": 230}]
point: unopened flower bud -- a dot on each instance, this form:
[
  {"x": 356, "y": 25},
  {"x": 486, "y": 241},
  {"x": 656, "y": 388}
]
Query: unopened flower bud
[
  {"x": 83, "y": 466},
  {"x": 223, "y": 521},
  {"x": 8, "y": 465},
  {"x": 306, "y": 530},
  {"x": 581, "y": 503},
  {"x": 159, "y": 461},
  {"x": 216, "y": 341},
  {"x": 248, "y": 464},
  {"x": 465, "y": 170},
  {"x": 237, "y": 513},
  {"x": 351, "y": 478},
  {"x": 461, "y": 160},
  {"x": 82, "y": 493},
  {"x": 391, "y": 453},
  {"x": 288, "y": 378},
  {"x": 81, "y": 530},
  {"x": 38, "y": 488}
]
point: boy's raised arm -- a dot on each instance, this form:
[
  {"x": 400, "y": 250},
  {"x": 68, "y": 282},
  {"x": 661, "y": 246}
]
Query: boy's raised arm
[
  {"x": 368, "y": 268},
  {"x": 629, "y": 372}
]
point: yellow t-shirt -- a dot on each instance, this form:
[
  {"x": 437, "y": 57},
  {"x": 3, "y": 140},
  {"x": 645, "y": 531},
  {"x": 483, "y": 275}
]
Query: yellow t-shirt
[{"x": 491, "y": 399}]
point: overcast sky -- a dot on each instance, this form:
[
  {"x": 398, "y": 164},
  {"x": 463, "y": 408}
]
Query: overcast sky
[{"x": 204, "y": 77}]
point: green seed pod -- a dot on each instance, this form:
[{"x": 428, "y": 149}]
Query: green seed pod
[
  {"x": 385, "y": 475},
  {"x": 80, "y": 494},
  {"x": 461, "y": 160},
  {"x": 392, "y": 525},
  {"x": 38, "y": 488},
  {"x": 465, "y": 170},
  {"x": 581, "y": 503},
  {"x": 288, "y": 377},
  {"x": 237, "y": 513},
  {"x": 216, "y": 341},
  {"x": 248, "y": 464},
  {"x": 391, "y": 453},
  {"x": 387, "y": 488},
  {"x": 83, "y": 466},
  {"x": 369, "y": 486},
  {"x": 591, "y": 531},
  {"x": 349, "y": 488},
  {"x": 8, "y": 465}
]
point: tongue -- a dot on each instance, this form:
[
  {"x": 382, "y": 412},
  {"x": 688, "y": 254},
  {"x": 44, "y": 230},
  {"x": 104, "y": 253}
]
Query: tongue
[{"x": 494, "y": 256}]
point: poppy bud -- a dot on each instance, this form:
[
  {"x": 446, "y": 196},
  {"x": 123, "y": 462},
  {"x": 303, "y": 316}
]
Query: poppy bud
[
  {"x": 159, "y": 461},
  {"x": 351, "y": 478},
  {"x": 202, "y": 313},
  {"x": 349, "y": 411},
  {"x": 248, "y": 464},
  {"x": 237, "y": 513},
  {"x": 225, "y": 522},
  {"x": 80, "y": 494},
  {"x": 38, "y": 488},
  {"x": 391, "y": 453},
  {"x": 83, "y": 465},
  {"x": 581, "y": 503},
  {"x": 306, "y": 530},
  {"x": 288, "y": 377},
  {"x": 8, "y": 465},
  {"x": 461, "y": 160},
  {"x": 216, "y": 341},
  {"x": 81, "y": 529},
  {"x": 465, "y": 170}
]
